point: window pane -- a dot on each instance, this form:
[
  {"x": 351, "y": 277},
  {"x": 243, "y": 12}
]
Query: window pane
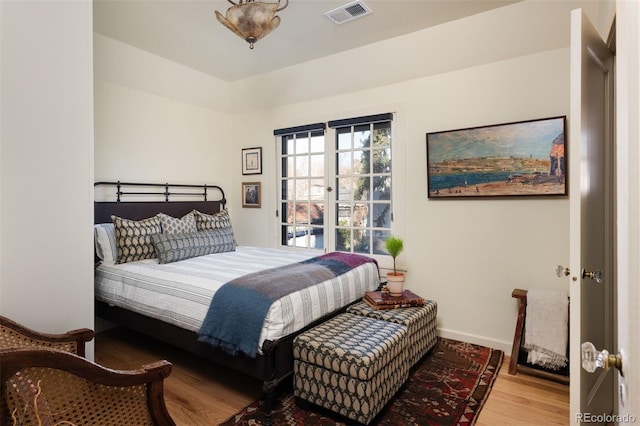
[
  {"x": 361, "y": 241},
  {"x": 302, "y": 166},
  {"x": 317, "y": 238},
  {"x": 288, "y": 209},
  {"x": 344, "y": 214},
  {"x": 286, "y": 235},
  {"x": 381, "y": 160},
  {"x": 287, "y": 145},
  {"x": 382, "y": 188},
  {"x": 343, "y": 240},
  {"x": 381, "y": 215},
  {"x": 317, "y": 165},
  {"x": 344, "y": 163},
  {"x": 361, "y": 136},
  {"x": 382, "y": 134},
  {"x": 288, "y": 166},
  {"x": 317, "y": 143},
  {"x": 378, "y": 241},
  {"x": 316, "y": 192},
  {"x": 361, "y": 162},
  {"x": 291, "y": 190},
  {"x": 302, "y": 144},
  {"x": 302, "y": 189},
  {"x": 344, "y": 189},
  {"x": 317, "y": 214},
  {"x": 360, "y": 215},
  {"x": 301, "y": 238},
  {"x": 344, "y": 138},
  {"x": 302, "y": 213},
  {"x": 361, "y": 188}
]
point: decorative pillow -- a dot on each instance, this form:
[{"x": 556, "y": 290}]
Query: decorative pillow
[
  {"x": 105, "y": 240},
  {"x": 175, "y": 247},
  {"x": 133, "y": 238},
  {"x": 172, "y": 225},
  {"x": 218, "y": 220}
]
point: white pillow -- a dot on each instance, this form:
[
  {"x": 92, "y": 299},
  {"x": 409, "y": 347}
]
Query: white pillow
[{"x": 105, "y": 240}]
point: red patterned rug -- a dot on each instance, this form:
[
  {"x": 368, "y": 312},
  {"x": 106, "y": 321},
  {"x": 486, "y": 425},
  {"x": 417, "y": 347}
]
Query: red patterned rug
[{"x": 448, "y": 386}]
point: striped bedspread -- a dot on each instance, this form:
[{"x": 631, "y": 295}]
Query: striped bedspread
[
  {"x": 251, "y": 296},
  {"x": 180, "y": 293}
]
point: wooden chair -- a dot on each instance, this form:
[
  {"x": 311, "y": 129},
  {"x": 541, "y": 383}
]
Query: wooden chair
[
  {"x": 45, "y": 379},
  {"x": 14, "y": 335},
  {"x": 49, "y": 386}
]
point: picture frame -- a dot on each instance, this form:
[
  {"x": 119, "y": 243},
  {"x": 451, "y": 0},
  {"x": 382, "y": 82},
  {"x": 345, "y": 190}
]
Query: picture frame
[
  {"x": 252, "y": 161},
  {"x": 522, "y": 158},
  {"x": 251, "y": 194}
]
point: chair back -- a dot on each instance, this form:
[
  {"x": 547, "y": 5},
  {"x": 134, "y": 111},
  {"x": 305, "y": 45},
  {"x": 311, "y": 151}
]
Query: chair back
[
  {"x": 14, "y": 335},
  {"x": 52, "y": 387}
]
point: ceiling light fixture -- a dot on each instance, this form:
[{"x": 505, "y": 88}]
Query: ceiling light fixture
[{"x": 251, "y": 20}]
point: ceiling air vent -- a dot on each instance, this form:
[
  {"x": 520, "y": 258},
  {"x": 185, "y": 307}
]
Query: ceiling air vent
[{"x": 348, "y": 12}]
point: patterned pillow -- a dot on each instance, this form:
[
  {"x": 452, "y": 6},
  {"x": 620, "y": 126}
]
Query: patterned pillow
[
  {"x": 175, "y": 247},
  {"x": 218, "y": 220},
  {"x": 172, "y": 225},
  {"x": 133, "y": 238},
  {"x": 105, "y": 241}
]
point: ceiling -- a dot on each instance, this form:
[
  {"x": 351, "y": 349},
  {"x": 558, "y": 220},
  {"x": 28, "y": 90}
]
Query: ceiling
[{"x": 187, "y": 32}]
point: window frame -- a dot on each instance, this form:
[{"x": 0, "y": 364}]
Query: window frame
[{"x": 398, "y": 185}]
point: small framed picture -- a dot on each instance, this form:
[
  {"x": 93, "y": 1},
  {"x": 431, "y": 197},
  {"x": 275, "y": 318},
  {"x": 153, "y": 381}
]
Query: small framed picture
[
  {"x": 251, "y": 194},
  {"x": 252, "y": 161}
]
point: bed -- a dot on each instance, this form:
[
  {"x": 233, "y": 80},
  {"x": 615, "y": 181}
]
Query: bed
[{"x": 171, "y": 301}]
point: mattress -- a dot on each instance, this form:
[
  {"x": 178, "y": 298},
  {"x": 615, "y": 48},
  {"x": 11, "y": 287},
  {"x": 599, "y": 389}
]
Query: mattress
[{"x": 179, "y": 293}]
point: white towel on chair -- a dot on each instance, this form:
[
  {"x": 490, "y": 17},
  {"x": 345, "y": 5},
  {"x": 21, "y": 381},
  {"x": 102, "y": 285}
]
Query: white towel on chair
[{"x": 546, "y": 328}]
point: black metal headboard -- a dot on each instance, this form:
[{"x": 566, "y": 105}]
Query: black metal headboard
[{"x": 140, "y": 209}]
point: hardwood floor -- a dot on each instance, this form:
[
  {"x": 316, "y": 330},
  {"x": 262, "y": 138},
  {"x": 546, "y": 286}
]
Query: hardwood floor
[{"x": 200, "y": 393}]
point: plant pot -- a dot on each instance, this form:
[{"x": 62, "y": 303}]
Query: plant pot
[{"x": 395, "y": 283}]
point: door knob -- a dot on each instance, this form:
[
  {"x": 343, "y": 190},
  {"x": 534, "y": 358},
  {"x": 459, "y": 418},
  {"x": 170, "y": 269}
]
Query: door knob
[
  {"x": 595, "y": 275},
  {"x": 561, "y": 270},
  {"x": 593, "y": 358}
]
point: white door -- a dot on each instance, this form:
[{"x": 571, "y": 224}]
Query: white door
[
  {"x": 592, "y": 213},
  {"x": 628, "y": 183}
]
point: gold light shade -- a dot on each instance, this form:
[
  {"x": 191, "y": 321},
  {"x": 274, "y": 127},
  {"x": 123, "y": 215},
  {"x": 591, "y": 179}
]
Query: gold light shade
[{"x": 251, "y": 20}]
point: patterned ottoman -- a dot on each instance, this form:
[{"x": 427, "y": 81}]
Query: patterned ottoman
[
  {"x": 351, "y": 365},
  {"x": 420, "y": 323}
]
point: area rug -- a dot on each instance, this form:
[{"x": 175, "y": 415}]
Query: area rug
[{"x": 448, "y": 386}]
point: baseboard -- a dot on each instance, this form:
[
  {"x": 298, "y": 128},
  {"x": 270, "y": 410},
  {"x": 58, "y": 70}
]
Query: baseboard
[{"x": 476, "y": 340}]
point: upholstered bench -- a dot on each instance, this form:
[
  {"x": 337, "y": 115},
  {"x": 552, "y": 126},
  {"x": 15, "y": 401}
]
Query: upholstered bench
[
  {"x": 351, "y": 365},
  {"x": 420, "y": 322}
]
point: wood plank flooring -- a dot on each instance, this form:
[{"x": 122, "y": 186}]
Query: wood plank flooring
[{"x": 199, "y": 393}]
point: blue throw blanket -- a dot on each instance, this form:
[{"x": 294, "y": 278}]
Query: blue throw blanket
[{"x": 238, "y": 309}]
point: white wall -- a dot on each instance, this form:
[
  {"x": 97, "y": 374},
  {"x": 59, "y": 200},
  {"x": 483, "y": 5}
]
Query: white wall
[
  {"x": 158, "y": 129},
  {"x": 46, "y": 271}
]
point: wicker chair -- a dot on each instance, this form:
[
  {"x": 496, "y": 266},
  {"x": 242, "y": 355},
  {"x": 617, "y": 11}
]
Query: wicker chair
[
  {"x": 45, "y": 380},
  {"x": 14, "y": 335},
  {"x": 49, "y": 386}
]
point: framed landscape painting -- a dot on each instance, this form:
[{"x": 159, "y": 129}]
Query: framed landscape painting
[{"x": 524, "y": 158}]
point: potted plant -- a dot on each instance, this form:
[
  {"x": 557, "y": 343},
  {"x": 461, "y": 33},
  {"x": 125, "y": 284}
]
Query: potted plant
[{"x": 395, "y": 279}]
